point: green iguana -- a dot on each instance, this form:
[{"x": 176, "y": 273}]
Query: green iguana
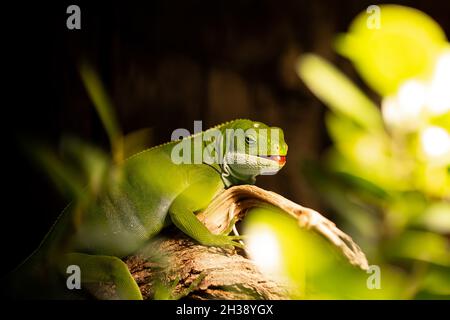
[{"x": 146, "y": 193}]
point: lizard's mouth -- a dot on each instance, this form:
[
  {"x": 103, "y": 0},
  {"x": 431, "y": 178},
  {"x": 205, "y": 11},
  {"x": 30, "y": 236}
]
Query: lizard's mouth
[{"x": 281, "y": 160}]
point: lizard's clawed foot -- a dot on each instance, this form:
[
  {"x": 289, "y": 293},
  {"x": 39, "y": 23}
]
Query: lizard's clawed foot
[{"x": 220, "y": 240}]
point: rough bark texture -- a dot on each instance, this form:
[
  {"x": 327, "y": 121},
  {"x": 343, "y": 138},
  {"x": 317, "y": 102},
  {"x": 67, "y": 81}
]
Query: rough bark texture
[{"x": 212, "y": 273}]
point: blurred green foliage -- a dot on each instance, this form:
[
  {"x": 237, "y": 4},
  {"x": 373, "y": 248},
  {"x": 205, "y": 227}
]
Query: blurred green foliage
[
  {"x": 405, "y": 46},
  {"x": 387, "y": 173},
  {"x": 307, "y": 263}
]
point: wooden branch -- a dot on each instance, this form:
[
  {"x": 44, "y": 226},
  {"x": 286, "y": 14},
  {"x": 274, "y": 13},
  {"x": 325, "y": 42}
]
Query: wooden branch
[
  {"x": 236, "y": 201},
  {"x": 223, "y": 273}
]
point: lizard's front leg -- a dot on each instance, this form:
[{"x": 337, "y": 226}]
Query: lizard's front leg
[{"x": 185, "y": 220}]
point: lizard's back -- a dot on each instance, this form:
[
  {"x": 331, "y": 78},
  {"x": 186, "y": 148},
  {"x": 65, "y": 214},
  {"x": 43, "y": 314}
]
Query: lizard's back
[{"x": 135, "y": 204}]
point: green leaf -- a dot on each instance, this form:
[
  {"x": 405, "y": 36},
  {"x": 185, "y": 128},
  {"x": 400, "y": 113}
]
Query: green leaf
[
  {"x": 66, "y": 179},
  {"x": 368, "y": 149},
  {"x": 137, "y": 141},
  {"x": 338, "y": 92},
  {"x": 104, "y": 107},
  {"x": 423, "y": 246},
  {"x": 436, "y": 218},
  {"x": 404, "y": 47},
  {"x": 88, "y": 161},
  {"x": 437, "y": 281}
]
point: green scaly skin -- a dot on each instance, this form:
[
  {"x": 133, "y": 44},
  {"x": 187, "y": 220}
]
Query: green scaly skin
[{"x": 142, "y": 196}]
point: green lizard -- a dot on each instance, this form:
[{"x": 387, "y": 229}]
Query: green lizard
[{"x": 145, "y": 193}]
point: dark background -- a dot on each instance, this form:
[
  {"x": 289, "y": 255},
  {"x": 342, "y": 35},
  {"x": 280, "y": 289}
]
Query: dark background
[{"x": 165, "y": 64}]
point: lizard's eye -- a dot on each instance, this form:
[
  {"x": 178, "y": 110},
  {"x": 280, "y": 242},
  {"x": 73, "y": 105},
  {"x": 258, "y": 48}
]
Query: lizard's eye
[{"x": 249, "y": 140}]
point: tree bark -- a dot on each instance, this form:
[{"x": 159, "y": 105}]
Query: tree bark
[{"x": 212, "y": 273}]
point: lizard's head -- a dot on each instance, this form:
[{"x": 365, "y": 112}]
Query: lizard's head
[{"x": 252, "y": 148}]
